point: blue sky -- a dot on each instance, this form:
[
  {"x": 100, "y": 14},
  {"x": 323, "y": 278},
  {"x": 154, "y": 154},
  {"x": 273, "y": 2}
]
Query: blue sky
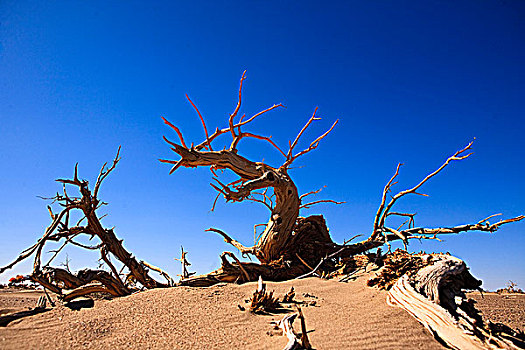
[{"x": 410, "y": 82}]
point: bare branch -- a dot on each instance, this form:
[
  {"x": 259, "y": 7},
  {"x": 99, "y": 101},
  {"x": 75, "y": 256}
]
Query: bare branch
[
  {"x": 181, "y": 138},
  {"x": 383, "y": 213},
  {"x": 229, "y": 240},
  {"x": 29, "y": 251},
  {"x": 489, "y": 217},
  {"x": 308, "y": 205},
  {"x": 85, "y": 246},
  {"x": 51, "y": 212},
  {"x": 245, "y": 273},
  {"x": 304, "y": 262},
  {"x": 409, "y": 215},
  {"x": 104, "y": 256},
  {"x": 230, "y": 121},
  {"x": 104, "y": 173},
  {"x": 218, "y": 132},
  {"x": 259, "y": 137},
  {"x": 311, "y": 193},
  {"x": 383, "y": 200},
  {"x": 253, "y": 199},
  {"x": 294, "y": 143},
  {"x": 56, "y": 252},
  {"x": 164, "y": 274},
  {"x": 255, "y": 237},
  {"x": 202, "y": 121},
  {"x": 312, "y": 146},
  {"x": 431, "y": 233},
  {"x": 177, "y": 163},
  {"x": 351, "y": 239},
  {"x": 244, "y": 191},
  {"x": 241, "y": 123}
]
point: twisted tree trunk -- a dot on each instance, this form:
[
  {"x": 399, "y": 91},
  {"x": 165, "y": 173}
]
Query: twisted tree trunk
[{"x": 291, "y": 246}]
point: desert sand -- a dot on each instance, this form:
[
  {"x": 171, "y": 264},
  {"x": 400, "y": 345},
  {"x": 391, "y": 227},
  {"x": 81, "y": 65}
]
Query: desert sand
[
  {"x": 345, "y": 316},
  {"x": 508, "y": 309}
]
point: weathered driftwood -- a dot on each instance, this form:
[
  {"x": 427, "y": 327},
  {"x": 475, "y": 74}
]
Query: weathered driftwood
[{"x": 434, "y": 296}]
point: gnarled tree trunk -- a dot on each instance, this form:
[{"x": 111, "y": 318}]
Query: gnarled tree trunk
[{"x": 290, "y": 245}]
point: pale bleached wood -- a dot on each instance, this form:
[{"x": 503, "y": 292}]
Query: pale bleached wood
[{"x": 431, "y": 296}]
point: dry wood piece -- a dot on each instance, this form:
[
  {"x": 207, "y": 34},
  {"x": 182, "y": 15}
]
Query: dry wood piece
[
  {"x": 397, "y": 264},
  {"x": 434, "y": 296},
  {"x": 164, "y": 274},
  {"x": 263, "y": 301},
  {"x": 70, "y": 285},
  {"x": 184, "y": 263},
  {"x": 294, "y": 341},
  {"x": 288, "y": 297}
]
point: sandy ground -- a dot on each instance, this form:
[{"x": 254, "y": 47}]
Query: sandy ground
[
  {"x": 346, "y": 315},
  {"x": 505, "y": 308},
  {"x": 14, "y": 300}
]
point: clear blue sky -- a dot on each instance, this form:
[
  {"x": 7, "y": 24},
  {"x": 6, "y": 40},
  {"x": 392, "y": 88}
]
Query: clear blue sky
[{"x": 409, "y": 81}]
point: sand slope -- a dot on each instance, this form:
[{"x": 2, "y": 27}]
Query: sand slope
[{"x": 347, "y": 316}]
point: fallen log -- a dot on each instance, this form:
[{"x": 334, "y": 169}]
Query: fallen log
[{"x": 434, "y": 296}]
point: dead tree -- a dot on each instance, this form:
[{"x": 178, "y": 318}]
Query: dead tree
[
  {"x": 63, "y": 282},
  {"x": 290, "y": 245}
]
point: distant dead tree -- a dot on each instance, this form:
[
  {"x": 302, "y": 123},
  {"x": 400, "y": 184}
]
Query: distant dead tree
[
  {"x": 290, "y": 245},
  {"x": 63, "y": 282}
]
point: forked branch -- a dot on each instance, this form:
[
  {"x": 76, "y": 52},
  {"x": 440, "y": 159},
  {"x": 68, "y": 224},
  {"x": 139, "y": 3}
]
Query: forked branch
[
  {"x": 290, "y": 157},
  {"x": 412, "y": 232},
  {"x": 383, "y": 211}
]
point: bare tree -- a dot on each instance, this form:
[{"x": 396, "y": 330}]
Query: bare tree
[
  {"x": 290, "y": 245},
  {"x": 62, "y": 281}
]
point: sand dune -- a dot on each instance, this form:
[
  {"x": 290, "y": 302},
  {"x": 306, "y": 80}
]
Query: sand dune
[{"x": 346, "y": 316}]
